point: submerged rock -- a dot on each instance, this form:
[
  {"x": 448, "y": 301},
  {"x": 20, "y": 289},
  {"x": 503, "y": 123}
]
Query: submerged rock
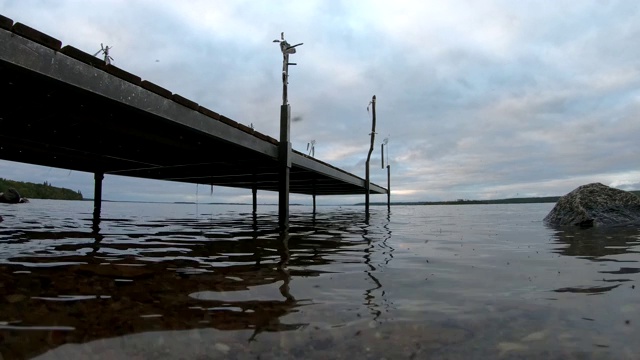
[{"x": 595, "y": 205}]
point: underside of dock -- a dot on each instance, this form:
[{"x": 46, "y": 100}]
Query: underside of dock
[{"x": 65, "y": 108}]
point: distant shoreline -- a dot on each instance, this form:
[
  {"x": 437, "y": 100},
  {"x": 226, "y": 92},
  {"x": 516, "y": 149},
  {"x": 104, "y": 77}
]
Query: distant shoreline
[
  {"x": 535, "y": 200},
  {"x": 47, "y": 191},
  {"x": 528, "y": 200}
]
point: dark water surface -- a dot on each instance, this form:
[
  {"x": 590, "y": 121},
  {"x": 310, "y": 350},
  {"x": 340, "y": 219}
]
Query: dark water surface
[{"x": 162, "y": 281}]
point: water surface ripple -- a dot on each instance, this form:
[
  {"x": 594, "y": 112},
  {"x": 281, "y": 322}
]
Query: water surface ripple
[{"x": 198, "y": 281}]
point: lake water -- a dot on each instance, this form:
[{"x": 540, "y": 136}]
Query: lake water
[{"x": 187, "y": 281}]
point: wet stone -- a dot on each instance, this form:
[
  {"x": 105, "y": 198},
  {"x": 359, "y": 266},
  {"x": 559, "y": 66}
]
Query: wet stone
[{"x": 595, "y": 205}]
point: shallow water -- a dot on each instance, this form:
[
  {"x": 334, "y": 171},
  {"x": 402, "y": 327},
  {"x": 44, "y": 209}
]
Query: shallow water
[{"x": 180, "y": 281}]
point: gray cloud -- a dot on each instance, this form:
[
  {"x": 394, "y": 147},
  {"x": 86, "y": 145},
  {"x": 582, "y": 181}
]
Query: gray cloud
[{"x": 481, "y": 99}]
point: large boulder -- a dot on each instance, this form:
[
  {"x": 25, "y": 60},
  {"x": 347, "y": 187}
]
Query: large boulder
[
  {"x": 595, "y": 205},
  {"x": 11, "y": 196}
]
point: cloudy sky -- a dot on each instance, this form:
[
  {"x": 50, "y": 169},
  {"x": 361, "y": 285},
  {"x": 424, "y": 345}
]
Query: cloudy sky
[{"x": 479, "y": 99}]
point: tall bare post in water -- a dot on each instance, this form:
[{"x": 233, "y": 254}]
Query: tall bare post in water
[
  {"x": 385, "y": 142},
  {"x": 254, "y": 196},
  {"x": 373, "y": 138},
  {"x": 97, "y": 199},
  {"x": 284, "y": 149}
]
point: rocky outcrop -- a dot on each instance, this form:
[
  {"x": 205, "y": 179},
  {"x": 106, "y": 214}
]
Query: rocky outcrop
[
  {"x": 595, "y": 205},
  {"x": 11, "y": 196}
]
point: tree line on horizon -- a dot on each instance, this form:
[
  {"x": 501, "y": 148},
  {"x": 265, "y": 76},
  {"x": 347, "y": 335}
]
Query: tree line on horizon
[
  {"x": 526, "y": 200},
  {"x": 40, "y": 191},
  {"x": 45, "y": 190}
]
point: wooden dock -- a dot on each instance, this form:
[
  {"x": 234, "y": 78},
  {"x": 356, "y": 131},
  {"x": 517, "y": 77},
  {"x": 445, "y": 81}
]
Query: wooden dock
[{"x": 65, "y": 108}]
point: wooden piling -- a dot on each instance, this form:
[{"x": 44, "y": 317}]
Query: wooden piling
[
  {"x": 367, "y": 187},
  {"x": 97, "y": 195}
]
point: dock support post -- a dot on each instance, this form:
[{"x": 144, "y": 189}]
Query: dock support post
[
  {"x": 314, "y": 197},
  {"x": 384, "y": 142},
  {"x": 284, "y": 148},
  {"x": 284, "y": 157},
  {"x": 97, "y": 196},
  {"x": 388, "y": 187},
  {"x": 254, "y": 192}
]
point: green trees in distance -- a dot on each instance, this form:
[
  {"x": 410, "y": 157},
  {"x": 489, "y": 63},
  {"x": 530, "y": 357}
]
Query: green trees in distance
[
  {"x": 40, "y": 191},
  {"x": 529, "y": 200}
]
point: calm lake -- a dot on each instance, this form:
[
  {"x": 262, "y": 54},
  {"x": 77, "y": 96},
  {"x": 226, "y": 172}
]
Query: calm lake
[{"x": 187, "y": 281}]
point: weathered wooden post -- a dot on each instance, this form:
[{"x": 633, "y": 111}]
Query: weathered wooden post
[
  {"x": 373, "y": 137},
  {"x": 284, "y": 159},
  {"x": 388, "y": 187},
  {"x": 97, "y": 196},
  {"x": 385, "y": 142},
  {"x": 254, "y": 193},
  {"x": 284, "y": 147},
  {"x": 314, "y": 197},
  {"x": 314, "y": 204}
]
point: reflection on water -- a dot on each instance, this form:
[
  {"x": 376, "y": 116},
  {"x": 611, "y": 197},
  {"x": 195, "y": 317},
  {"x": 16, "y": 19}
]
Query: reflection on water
[
  {"x": 382, "y": 246},
  {"x": 66, "y": 284},
  {"x": 183, "y": 281},
  {"x": 616, "y": 245},
  {"x": 597, "y": 244}
]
